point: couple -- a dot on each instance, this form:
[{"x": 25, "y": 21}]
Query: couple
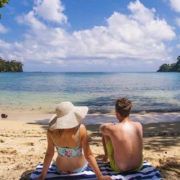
[{"x": 122, "y": 141}]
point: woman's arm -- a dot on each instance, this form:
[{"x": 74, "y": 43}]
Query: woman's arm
[
  {"x": 89, "y": 155},
  {"x": 48, "y": 157}
]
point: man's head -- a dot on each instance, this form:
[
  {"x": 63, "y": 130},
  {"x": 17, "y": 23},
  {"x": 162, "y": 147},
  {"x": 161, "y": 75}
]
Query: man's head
[{"x": 123, "y": 108}]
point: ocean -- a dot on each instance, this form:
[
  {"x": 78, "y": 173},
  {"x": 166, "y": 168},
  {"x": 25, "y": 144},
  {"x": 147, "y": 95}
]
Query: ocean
[{"x": 149, "y": 92}]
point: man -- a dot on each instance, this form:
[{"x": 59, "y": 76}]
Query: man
[{"x": 123, "y": 141}]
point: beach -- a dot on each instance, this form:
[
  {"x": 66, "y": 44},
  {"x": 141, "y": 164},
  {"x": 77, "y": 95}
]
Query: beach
[
  {"x": 23, "y": 144},
  {"x": 92, "y": 54}
]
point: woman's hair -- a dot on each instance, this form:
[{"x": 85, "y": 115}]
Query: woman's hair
[{"x": 123, "y": 106}]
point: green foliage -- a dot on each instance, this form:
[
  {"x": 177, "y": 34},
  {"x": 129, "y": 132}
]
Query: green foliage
[
  {"x": 175, "y": 67},
  {"x": 2, "y": 4},
  {"x": 10, "y": 66}
]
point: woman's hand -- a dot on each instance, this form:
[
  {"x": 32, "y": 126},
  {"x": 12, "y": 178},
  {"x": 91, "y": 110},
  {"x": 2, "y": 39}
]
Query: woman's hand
[{"x": 41, "y": 177}]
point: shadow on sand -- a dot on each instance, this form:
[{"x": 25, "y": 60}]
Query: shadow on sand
[
  {"x": 165, "y": 134},
  {"x": 26, "y": 175}
]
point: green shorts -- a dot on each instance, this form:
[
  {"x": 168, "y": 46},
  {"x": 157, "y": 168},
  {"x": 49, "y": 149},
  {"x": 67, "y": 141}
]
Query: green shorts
[{"x": 110, "y": 152}]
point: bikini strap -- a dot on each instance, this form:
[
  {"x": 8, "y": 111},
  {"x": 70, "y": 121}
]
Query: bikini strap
[{"x": 79, "y": 137}]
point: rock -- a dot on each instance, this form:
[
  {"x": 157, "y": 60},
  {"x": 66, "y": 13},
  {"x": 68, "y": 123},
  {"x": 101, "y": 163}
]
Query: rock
[{"x": 4, "y": 116}]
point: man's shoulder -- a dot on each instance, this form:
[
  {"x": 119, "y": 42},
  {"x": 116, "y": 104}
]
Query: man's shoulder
[
  {"x": 110, "y": 126},
  {"x": 139, "y": 127},
  {"x": 138, "y": 124},
  {"x": 135, "y": 124}
]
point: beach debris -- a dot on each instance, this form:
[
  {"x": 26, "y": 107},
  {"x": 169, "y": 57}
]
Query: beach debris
[
  {"x": 1, "y": 141},
  {"x": 4, "y": 116},
  {"x": 30, "y": 143}
]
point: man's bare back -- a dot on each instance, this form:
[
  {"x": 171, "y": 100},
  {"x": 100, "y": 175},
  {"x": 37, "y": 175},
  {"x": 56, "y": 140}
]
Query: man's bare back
[{"x": 127, "y": 142}]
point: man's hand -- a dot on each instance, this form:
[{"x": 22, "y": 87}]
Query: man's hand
[
  {"x": 105, "y": 178},
  {"x": 105, "y": 158}
]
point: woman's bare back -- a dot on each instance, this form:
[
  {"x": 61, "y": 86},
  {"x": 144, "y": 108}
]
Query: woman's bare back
[{"x": 69, "y": 138}]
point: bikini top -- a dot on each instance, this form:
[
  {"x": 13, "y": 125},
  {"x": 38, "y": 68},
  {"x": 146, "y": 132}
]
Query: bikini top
[{"x": 70, "y": 152}]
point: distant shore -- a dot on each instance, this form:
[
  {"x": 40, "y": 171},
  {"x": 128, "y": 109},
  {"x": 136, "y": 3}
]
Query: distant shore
[{"x": 23, "y": 144}]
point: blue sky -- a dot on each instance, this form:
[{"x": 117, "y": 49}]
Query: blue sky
[{"x": 91, "y": 35}]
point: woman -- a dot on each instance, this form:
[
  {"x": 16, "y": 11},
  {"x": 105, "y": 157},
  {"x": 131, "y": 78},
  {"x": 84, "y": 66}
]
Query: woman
[{"x": 69, "y": 137}]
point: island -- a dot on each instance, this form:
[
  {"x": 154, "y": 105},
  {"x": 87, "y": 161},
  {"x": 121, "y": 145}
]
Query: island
[
  {"x": 175, "y": 67},
  {"x": 10, "y": 66}
]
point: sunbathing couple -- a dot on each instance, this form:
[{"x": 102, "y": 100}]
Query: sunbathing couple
[{"x": 122, "y": 141}]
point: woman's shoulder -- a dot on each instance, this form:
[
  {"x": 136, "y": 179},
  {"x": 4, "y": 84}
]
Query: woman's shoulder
[
  {"x": 82, "y": 127},
  {"x": 82, "y": 130}
]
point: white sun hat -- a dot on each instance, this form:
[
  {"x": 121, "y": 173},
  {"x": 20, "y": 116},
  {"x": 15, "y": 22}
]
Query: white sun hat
[{"x": 67, "y": 116}]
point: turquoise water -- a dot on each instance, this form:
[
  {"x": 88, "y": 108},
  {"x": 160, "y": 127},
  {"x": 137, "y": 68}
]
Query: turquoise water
[{"x": 151, "y": 92}]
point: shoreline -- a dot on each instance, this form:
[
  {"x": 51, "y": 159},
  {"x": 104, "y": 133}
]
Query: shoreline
[
  {"x": 23, "y": 145},
  {"x": 96, "y": 118},
  {"x": 49, "y": 109}
]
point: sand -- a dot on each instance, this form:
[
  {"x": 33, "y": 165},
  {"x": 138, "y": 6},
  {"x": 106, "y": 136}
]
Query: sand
[{"x": 23, "y": 145}]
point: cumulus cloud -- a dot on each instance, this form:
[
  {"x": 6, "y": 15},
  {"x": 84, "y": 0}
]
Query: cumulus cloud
[
  {"x": 175, "y": 4},
  {"x": 3, "y": 29},
  {"x": 138, "y": 36},
  {"x": 50, "y": 10},
  {"x": 30, "y": 20}
]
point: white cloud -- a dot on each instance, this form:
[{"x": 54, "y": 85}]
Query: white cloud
[
  {"x": 3, "y": 29},
  {"x": 31, "y": 20},
  {"x": 139, "y": 36},
  {"x": 178, "y": 21},
  {"x": 175, "y": 4},
  {"x": 178, "y": 46},
  {"x": 51, "y": 10}
]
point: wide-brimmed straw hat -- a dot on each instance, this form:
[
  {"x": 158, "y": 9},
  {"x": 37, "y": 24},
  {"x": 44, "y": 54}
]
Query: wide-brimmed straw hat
[{"x": 67, "y": 116}]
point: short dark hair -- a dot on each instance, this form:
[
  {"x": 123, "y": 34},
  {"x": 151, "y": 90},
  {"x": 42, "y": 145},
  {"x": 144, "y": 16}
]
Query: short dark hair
[{"x": 123, "y": 106}]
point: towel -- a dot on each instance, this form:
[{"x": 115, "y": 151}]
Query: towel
[{"x": 147, "y": 171}]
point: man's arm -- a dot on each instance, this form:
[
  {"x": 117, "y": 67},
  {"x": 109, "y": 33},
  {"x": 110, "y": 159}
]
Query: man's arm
[{"x": 140, "y": 127}]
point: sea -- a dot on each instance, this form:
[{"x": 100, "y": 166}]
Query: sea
[{"x": 42, "y": 91}]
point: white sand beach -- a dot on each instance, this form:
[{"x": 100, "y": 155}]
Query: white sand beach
[{"x": 23, "y": 144}]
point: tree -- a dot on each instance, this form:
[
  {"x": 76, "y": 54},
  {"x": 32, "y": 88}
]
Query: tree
[
  {"x": 3, "y": 3},
  {"x": 10, "y": 66},
  {"x": 174, "y": 67},
  {"x": 178, "y": 64},
  {"x": 178, "y": 59},
  {"x": 164, "y": 68}
]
